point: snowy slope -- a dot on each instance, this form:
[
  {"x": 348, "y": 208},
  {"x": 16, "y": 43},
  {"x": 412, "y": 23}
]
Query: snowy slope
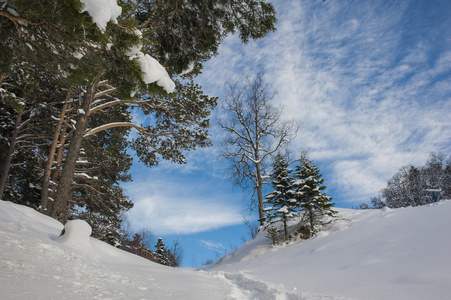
[
  {"x": 370, "y": 254},
  {"x": 35, "y": 264},
  {"x": 374, "y": 254}
]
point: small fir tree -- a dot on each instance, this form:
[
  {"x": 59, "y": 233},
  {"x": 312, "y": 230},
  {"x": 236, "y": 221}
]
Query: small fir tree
[
  {"x": 308, "y": 185},
  {"x": 161, "y": 252},
  {"x": 281, "y": 201}
]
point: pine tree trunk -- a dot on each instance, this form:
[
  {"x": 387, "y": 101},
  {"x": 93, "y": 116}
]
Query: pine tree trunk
[
  {"x": 59, "y": 161},
  {"x": 56, "y": 171},
  {"x": 285, "y": 229},
  {"x": 312, "y": 221},
  {"x": 9, "y": 154},
  {"x": 48, "y": 168},
  {"x": 60, "y": 206}
]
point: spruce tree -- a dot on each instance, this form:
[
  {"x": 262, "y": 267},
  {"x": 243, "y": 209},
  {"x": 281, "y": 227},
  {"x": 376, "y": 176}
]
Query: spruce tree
[
  {"x": 280, "y": 200},
  {"x": 161, "y": 252},
  {"x": 308, "y": 186}
]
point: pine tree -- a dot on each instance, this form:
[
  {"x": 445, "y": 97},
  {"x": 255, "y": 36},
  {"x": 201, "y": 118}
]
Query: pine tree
[
  {"x": 161, "y": 252},
  {"x": 280, "y": 200},
  {"x": 185, "y": 34},
  {"x": 98, "y": 66},
  {"x": 314, "y": 203},
  {"x": 102, "y": 165},
  {"x": 26, "y": 108}
]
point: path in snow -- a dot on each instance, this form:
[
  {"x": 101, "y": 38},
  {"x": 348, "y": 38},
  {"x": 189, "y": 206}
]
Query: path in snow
[{"x": 242, "y": 287}]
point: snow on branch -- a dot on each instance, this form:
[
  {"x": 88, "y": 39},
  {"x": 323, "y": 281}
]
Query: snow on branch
[
  {"x": 102, "y": 11},
  {"x": 126, "y": 124}
]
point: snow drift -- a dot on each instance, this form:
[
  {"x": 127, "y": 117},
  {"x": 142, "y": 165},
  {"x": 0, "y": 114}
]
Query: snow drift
[{"x": 368, "y": 254}]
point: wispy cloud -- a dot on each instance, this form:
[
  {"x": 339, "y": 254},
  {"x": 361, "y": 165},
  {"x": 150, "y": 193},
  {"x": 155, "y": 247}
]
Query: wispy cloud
[
  {"x": 218, "y": 247},
  {"x": 180, "y": 204},
  {"x": 369, "y": 81}
]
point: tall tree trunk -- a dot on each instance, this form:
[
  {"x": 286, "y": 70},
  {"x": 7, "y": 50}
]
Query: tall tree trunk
[
  {"x": 60, "y": 206},
  {"x": 59, "y": 160},
  {"x": 312, "y": 221},
  {"x": 9, "y": 154},
  {"x": 261, "y": 214},
  {"x": 285, "y": 229},
  {"x": 48, "y": 167}
]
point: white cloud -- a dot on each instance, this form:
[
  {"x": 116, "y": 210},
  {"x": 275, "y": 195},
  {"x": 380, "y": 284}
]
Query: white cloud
[
  {"x": 213, "y": 245},
  {"x": 179, "y": 207},
  {"x": 373, "y": 93},
  {"x": 370, "y": 102}
]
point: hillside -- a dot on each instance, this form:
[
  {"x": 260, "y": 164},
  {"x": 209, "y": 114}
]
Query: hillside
[{"x": 368, "y": 254}]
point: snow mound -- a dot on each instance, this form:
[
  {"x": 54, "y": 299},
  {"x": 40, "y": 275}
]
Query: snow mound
[{"x": 77, "y": 235}]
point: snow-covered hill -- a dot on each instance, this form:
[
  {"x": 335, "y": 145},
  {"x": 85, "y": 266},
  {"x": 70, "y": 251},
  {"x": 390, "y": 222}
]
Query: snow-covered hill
[{"x": 370, "y": 254}]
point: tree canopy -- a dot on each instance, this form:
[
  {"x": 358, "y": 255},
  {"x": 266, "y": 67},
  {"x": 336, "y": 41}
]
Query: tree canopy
[{"x": 69, "y": 78}]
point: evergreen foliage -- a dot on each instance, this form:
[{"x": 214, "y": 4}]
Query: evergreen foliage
[
  {"x": 280, "y": 204},
  {"x": 184, "y": 34},
  {"x": 298, "y": 192},
  {"x": 313, "y": 202},
  {"x": 161, "y": 252},
  {"x": 57, "y": 61}
]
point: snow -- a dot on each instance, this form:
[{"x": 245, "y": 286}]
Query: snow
[
  {"x": 77, "y": 236},
  {"x": 37, "y": 264},
  {"x": 367, "y": 254},
  {"x": 153, "y": 71},
  {"x": 12, "y": 11},
  {"x": 84, "y": 175},
  {"x": 102, "y": 11}
]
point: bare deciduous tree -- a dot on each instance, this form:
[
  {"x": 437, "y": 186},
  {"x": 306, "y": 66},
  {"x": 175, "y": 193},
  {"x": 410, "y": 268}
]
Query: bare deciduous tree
[{"x": 255, "y": 131}]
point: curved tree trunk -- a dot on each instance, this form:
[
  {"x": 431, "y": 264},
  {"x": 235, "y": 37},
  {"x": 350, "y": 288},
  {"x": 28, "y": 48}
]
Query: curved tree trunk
[
  {"x": 48, "y": 167},
  {"x": 60, "y": 206},
  {"x": 56, "y": 171}
]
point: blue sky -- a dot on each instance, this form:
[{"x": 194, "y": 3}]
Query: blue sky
[{"x": 371, "y": 83}]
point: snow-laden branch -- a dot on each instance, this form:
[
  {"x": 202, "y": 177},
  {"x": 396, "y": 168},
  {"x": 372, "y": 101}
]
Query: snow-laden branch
[
  {"x": 104, "y": 105},
  {"x": 105, "y": 92},
  {"x": 113, "y": 125},
  {"x": 128, "y": 124},
  {"x": 102, "y": 11}
]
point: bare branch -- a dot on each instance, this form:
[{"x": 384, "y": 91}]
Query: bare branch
[{"x": 254, "y": 133}]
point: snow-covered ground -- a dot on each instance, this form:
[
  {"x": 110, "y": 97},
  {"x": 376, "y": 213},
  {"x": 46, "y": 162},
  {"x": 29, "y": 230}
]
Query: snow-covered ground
[{"x": 369, "y": 254}]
